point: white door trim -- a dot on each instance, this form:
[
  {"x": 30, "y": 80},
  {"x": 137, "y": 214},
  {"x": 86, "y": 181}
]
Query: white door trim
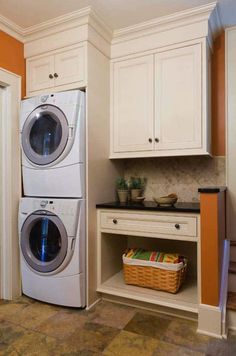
[{"x": 10, "y": 189}]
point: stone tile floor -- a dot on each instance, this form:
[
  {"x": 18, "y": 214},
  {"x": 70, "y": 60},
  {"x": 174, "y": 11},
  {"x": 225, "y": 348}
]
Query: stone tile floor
[{"x": 28, "y": 327}]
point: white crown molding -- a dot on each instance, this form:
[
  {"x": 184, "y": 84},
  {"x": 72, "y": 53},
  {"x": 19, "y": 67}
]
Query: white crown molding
[
  {"x": 84, "y": 16},
  {"x": 88, "y": 16},
  {"x": 165, "y": 23},
  {"x": 11, "y": 28},
  {"x": 70, "y": 20},
  {"x": 96, "y": 21},
  {"x": 58, "y": 21}
]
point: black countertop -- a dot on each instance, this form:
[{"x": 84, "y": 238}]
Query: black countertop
[
  {"x": 152, "y": 206},
  {"x": 212, "y": 189}
]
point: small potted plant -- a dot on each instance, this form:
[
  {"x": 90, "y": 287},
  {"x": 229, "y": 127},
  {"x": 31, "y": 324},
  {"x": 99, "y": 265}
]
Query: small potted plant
[
  {"x": 122, "y": 189},
  {"x": 136, "y": 185}
]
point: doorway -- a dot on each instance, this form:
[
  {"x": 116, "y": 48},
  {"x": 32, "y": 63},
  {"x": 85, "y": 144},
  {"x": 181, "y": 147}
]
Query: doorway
[{"x": 10, "y": 184}]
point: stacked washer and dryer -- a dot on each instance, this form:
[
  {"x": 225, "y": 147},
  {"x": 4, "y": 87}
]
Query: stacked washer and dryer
[{"x": 52, "y": 211}]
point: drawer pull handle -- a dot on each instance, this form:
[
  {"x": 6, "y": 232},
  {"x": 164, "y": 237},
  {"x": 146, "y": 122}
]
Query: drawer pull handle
[
  {"x": 150, "y": 140},
  {"x": 50, "y": 76},
  {"x": 55, "y": 75},
  {"x": 114, "y": 221},
  {"x": 177, "y": 226}
]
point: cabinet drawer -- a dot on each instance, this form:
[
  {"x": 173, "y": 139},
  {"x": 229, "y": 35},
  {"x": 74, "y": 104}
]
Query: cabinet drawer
[{"x": 149, "y": 223}]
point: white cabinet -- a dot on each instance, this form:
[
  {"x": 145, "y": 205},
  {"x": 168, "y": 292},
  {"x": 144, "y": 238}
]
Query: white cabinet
[
  {"x": 171, "y": 226},
  {"x": 178, "y": 99},
  {"x": 133, "y": 105},
  {"x": 39, "y": 70},
  {"x": 63, "y": 69},
  {"x": 151, "y": 230},
  {"x": 158, "y": 106}
]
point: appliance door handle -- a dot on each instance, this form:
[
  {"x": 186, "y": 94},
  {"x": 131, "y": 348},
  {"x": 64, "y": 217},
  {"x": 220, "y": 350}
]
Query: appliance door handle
[
  {"x": 71, "y": 131},
  {"x": 72, "y": 246}
]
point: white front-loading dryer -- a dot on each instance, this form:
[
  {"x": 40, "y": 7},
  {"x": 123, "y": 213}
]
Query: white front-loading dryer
[
  {"x": 52, "y": 250},
  {"x": 52, "y": 129}
]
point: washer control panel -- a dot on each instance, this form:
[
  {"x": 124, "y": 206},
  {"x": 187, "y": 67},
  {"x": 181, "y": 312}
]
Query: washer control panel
[{"x": 56, "y": 206}]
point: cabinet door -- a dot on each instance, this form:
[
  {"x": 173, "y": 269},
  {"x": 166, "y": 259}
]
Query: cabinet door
[
  {"x": 132, "y": 106},
  {"x": 178, "y": 109},
  {"x": 40, "y": 73},
  {"x": 70, "y": 66}
]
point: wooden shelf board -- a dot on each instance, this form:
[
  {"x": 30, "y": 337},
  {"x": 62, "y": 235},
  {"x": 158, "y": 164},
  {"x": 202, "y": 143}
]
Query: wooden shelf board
[{"x": 185, "y": 299}]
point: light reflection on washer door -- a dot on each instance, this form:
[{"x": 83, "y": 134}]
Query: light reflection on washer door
[{"x": 45, "y": 240}]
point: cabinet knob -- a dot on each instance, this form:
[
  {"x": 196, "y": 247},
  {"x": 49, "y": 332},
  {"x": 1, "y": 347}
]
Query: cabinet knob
[
  {"x": 156, "y": 140},
  {"x": 177, "y": 226},
  {"x": 50, "y": 76},
  {"x": 114, "y": 221},
  {"x": 55, "y": 75},
  {"x": 150, "y": 140}
]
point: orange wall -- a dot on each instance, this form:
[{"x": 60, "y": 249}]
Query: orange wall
[
  {"x": 218, "y": 97},
  {"x": 12, "y": 56}
]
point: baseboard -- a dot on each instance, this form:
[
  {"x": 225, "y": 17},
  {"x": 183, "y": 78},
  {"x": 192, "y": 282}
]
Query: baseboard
[
  {"x": 203, "y": 332},
  {"x": 210, "y": 320},
  {"x": 150, "y": 307},
  {"x": 93, "y": 304}
]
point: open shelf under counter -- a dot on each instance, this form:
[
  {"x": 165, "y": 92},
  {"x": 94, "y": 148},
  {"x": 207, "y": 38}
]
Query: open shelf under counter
[
  {"x": 186, "y": 299},
  {"x": 171, "y": 231}
]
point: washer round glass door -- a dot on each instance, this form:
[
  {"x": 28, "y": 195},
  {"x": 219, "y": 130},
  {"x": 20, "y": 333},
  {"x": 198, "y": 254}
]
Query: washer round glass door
[
  {"x": 44, "y": 242},
  {"x": 45, "y": 134}
]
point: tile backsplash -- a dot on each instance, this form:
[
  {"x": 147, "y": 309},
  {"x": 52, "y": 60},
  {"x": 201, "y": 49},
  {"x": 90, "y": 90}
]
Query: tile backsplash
[{"x": 180, "y": 175}]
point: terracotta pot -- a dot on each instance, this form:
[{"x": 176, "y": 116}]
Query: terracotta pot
[
  {"x": 135, "y": 193},
  {"x": 122, "y": 195}
]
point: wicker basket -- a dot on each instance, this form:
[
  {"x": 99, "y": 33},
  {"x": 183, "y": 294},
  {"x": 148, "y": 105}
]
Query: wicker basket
[{"x": 154, "y": 278}]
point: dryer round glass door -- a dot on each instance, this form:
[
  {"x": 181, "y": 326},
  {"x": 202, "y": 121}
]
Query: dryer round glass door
[
  {"x": 45, "y": 134},
  {"x": 44, "y": 242}
]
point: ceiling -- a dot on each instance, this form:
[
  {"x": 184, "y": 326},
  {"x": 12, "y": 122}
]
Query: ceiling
[{"x": 116, "y": 13}]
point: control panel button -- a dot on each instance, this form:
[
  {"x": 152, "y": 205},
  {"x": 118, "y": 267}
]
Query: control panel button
[
  {"x": 44, "y": 98},
  {"x": 43, "y": 203}
]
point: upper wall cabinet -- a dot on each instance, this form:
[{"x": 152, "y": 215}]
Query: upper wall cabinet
[
  {"x": 60, "y": 70},
  {"x": 178, "y": 104},
  {"x": 158, "y": 105},
  {"x": 133, "y": 105}
]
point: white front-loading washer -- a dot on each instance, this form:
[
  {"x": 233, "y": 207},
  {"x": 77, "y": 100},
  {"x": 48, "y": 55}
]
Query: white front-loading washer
[
  {"x": 52, "y": 129},
  {"x": 52, "y": 250}
]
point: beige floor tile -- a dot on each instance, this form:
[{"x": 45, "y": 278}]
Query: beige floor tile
[
  {"x": 91, "y": 338},
  {"x": 9, "y": 333},
  {"x": 62, "y": 324},
  {"x": 25, "y": 300},
  {"x": 148, "y": 325},
  {"x": 222, "y": 347},
  {"x": 112, "y": 314},
  {"x": 183, "y": 332},
  {"x": 34, "y": 344},
  {"x": 130, "y": 344},
  {"x": 8, "y": 351},
  {"x": 33, "y": 315},
  {"x": 7, "y": 310},
  {"x": 166, "y": 349}
]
